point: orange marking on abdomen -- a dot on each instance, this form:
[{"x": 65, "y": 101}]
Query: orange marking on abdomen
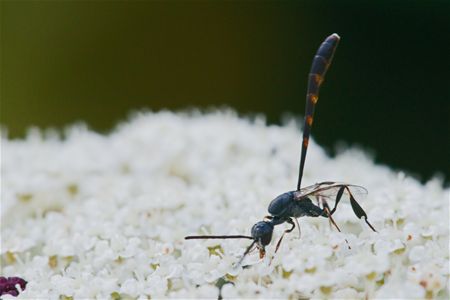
[
  {"x": 309, "y": 120},
  {"x": 313, "y": 98},
  {"x": 305, "y": 142},
  {"x": 318, "y": 79}
]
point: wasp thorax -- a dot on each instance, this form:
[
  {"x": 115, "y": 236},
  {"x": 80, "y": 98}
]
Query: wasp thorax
[{"x": 280, "y": 205}]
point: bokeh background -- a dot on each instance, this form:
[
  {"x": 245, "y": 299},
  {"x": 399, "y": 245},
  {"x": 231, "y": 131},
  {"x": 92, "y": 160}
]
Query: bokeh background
[{"x": 388, "y": 89}]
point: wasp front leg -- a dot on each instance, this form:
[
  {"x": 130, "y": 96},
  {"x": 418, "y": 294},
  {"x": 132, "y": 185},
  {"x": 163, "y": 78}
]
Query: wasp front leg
[{"x": 286, "y": 231}]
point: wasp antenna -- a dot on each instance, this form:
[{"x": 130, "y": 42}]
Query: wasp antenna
[{"x": 198, "y": 237}]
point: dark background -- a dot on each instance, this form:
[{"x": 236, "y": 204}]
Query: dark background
[{"x": 388, "y": 89}]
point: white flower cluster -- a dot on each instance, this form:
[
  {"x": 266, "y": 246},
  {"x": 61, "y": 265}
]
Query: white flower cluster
[{"x": 104, "y": 216}]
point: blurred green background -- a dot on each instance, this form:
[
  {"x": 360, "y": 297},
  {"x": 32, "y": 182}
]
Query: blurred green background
[{"x": 388, "y": 89}]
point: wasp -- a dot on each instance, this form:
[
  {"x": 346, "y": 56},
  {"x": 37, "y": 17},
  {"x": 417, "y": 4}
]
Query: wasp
[{"x": 310, "y": 201}]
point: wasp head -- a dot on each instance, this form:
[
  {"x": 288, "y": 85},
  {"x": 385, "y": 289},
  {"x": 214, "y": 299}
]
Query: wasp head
[{"x": 262, "y": 234}]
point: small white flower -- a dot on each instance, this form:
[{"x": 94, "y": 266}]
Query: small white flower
[
  {"x": 114, "y": 210},
  {"x": 417, "y": 253}
]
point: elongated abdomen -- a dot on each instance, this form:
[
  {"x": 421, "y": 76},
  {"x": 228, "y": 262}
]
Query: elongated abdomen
[
  {"x": 320, "y": 64},
  {"x": 319, "y": 67}
]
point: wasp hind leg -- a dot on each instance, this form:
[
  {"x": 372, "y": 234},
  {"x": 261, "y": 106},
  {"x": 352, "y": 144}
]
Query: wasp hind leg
[{"x": 357, "y": 209}]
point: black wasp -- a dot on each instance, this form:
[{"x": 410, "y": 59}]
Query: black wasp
[{"x": 299, "y": 203}]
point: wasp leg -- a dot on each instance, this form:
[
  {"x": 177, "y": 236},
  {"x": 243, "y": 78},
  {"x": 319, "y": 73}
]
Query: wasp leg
[
  {"x": 286, "y": 231},
  {"x": 326, "y": 208},
  {"x": 338, "y": 198},
  {"x": 299, "y": 230},
  {"x": 328, "y": 213},
  {"x": 357, "y": 209}
]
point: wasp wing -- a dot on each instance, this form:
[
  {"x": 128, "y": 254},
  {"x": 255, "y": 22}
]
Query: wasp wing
[{"x": 330, "y": 191}]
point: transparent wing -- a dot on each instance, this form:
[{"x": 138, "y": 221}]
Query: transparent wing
[{"x": 329, "y": 191}]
